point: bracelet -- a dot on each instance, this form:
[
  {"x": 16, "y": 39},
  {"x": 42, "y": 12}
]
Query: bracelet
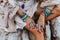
[
  {"x": 23, "y": 16},
  {"x": 31, "y": 23},
  {"x": 46, "y": 11}
]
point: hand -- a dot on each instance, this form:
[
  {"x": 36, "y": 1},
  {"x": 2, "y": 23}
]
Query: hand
[
  {"x": 37, "y": 32},
  {"x": 39, "y": 10}
]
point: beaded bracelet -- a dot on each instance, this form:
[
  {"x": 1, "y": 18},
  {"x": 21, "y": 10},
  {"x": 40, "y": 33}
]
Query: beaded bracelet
[
  {"x": 46, "y": 11},
  {"x": 23, "y": 16},
  {"x": 38, "y": 26}
]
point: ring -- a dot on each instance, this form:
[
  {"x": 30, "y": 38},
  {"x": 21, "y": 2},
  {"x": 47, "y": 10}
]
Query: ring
[
  {"x": 31, "y": 23},
  {"x": 38, "y": 26}
]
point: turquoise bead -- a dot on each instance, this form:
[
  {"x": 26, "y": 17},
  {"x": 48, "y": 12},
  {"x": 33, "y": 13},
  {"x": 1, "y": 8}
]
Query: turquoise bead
[{"x": 46, "y": 11}]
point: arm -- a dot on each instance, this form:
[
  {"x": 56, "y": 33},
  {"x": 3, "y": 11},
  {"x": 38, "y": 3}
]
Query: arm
[
  {"x": 41, "y": 21},
  {"x": 27, "y": 20},
  {"x": 39, "y": 10},
  {"x": 37, "y": 35},
  {"x": 55, "y": 13},
  {"x": 51, "y": 16}
]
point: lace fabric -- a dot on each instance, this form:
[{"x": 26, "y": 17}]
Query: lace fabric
[{"x": 50, "y": 2}]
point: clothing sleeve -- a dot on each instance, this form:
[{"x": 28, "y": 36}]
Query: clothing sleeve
[
  {"x": 19, "y": 23},
  {"x": 49, "y": 3},
  {"x": 14, "y": 8}
]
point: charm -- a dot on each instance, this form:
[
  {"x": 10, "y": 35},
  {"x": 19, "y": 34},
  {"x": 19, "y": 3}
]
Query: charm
[
  {"x": 22, "y": 6},
  {"x": 24, "y": 16}
]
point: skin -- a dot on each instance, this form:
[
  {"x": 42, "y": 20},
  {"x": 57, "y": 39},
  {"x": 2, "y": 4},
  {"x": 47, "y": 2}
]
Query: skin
[
  {"x": 37, "y": 32},
  {"x": 0, "y": 0},
  {"x": 55, "y": 13}
]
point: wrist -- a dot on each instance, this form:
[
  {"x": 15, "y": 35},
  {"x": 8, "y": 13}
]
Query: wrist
[
  {"x": 20, "y": 12},
  {"x": 28, "y": 20},
  {"x": 39, "y": 38}
]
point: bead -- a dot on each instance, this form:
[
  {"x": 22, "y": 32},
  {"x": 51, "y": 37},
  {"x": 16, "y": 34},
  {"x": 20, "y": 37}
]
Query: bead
[
  {"x": 46, "y": 11},
  {"x": 23, "y": 16},
  {"x": 22, "y": 6}
]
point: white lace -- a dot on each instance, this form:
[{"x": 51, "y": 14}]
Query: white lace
[
  {"x": 50, "y": 2},
  {"x": 30, "y": 7}
]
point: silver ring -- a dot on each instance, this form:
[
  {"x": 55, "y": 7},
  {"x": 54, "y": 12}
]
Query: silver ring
[
  {"x": 37, "y": 26},
  {"x": 31, "y": 23}
]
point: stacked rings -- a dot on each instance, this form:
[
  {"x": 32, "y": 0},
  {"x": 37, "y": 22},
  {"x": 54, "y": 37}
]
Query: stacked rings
[
  {"x": 46, "y": 11},
  {"x": 38, "y": 26},
  {"x": 31, "y": 23}
]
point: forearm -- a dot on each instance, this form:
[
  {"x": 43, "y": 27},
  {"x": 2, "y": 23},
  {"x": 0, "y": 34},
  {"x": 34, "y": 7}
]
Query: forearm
[
  {"x": 41, "y": 19},
  {"x": 55, "y": 13},
  {"x": 19, "y": 12},
  {"x": 51, "y": 16},
  {"x": 28, "y": 19}
]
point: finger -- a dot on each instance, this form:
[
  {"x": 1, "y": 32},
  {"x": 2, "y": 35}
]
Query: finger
[
  {"x": 34, "y": 24},
  {"x": 27, "y": 27}
]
